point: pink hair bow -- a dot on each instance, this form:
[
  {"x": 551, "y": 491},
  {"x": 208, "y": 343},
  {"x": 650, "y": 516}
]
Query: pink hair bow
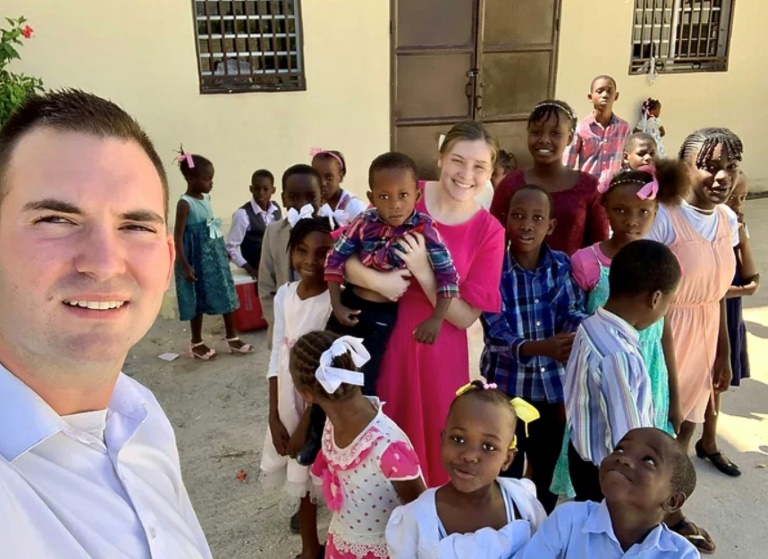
[
  {"x": 649, "y": 191},
  {"x": 186, "y": 157},
  {"x": 490, "y": 386}
]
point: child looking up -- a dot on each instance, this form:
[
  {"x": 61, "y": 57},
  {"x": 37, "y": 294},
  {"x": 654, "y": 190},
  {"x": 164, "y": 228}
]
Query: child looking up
[
  {"x": 600, "y": 136},
  {"x": 301, "y": 198},
  {"x": 650, "y": 123},
  {"x": 367, "y": 465},
  {"x": 580, "y": 218},
  {"x": 250, "y": 221},
  {"x": 476, "y": 514},
  {"x": 338, "y": 203},
  {"x": 645, "y": 478},
  {"x": 300, "y": 307},
  {"x": 639, "y": 151},
  {"x": 204, "y": 283},
  {"x": 746, "y": 282},
  {"x": 528, "y": 342},
  {"x": 607, "y": 387}
]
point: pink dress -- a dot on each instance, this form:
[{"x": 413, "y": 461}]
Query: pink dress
[
  {"x": 357, "y": 486},
  {"x": 419, "y": 381},
  {"x": 694, "y": 317}
]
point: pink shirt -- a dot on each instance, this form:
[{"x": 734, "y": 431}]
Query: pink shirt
[{"x": 585, "y": 266}]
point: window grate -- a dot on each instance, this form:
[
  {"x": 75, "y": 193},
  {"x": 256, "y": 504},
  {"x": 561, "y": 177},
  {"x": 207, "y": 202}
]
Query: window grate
[
  {"x": 249, "y": 45},
  {"x": 681, "y": 35}
]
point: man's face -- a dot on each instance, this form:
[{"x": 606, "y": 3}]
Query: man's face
[{"x": 85, "y": 255}]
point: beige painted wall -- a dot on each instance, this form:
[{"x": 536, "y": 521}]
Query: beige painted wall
[
  {"x": 142, "y": 55},
  {"x": 595, "y": 39}
]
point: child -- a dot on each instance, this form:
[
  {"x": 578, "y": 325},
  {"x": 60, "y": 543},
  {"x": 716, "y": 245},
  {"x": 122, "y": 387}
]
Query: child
[
  {"x": 300, "y": 307},
  {"x": 367, "y": 466},
  {"x": 338, "y": 203},
  {"x": 250, "y": 221},
  {"x": 204, "y": 284},
  {"x": 301, "y": 198},
  {"x": 477, "y": 514},
  {"x": 374, "y": 238},
  {"x": 528, "y": 342},
  {"x": 600, "y": 136},
  {"x": 702, "y": 231},
  {"x": 650, "y": 123},
  {"x": 746, "y": 282},
  {"x": 639, "y": 151},
  {"x": 647, "y": 476},
  {"x": 580, "y": 218},
  {"x": 607, "y": 387},
  {"x": 506, "y": 162}
]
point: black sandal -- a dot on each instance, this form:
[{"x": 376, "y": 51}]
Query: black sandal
[
  {"x": 699, "y": 538},
  {"x": 719, "y": 460}
]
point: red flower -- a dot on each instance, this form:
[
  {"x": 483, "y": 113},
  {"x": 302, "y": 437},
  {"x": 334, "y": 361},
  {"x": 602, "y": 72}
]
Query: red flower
[{"x": 27, "y": 32}]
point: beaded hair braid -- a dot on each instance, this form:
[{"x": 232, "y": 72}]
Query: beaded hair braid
[
  {"x": 305, "y": 359},
  {"x": 706, "y": 140},
  {"x": 553, "y": 107}
]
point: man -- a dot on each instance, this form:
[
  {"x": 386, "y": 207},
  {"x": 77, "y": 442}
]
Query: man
[{"x": 88, "y": 460}]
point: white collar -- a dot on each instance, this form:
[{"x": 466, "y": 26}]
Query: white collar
[{"x": 270, "y": 210}]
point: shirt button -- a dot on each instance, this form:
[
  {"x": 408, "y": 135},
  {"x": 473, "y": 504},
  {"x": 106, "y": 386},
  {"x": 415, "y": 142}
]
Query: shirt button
[
  {"x": 535, "y": 300},
  {"x": 538, "y": 322},
  {"x": 543, "y": 370},
  {"x": 152, "y": 532}
]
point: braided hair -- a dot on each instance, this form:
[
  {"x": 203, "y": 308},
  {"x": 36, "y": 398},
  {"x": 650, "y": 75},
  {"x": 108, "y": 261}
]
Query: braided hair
[
  {"x": 556, "y": 109},
  {"x": 671, "y": 175},
  {"x": 305, "y": 359},
  {"x": 477, "y": 390},
  {"x": 649, "y": 105},
  {"x": 706, "y": 140}
]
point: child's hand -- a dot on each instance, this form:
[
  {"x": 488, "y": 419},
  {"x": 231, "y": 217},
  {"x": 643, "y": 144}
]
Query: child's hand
[
  {"x": 559, "y": 346},
  {"x": 346, "y": 316},
  {"x": 722, "y": 372},
  {"x": 427, "y": 331},
  {"x": 253, "y": 272},
  {"x": 189, "y": 273},
  {"x": 280, "y": 436},
  {"x": 676, "y": 418},
  {"x": 296, "y": 442}
]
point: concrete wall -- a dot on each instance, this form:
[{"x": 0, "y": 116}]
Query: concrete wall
[
  {"x": 142, "y": 55},
  {"x": 595, "y": 39}
]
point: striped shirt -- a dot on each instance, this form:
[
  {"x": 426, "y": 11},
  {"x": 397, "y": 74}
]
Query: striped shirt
[
  {"x": 535, "y": 305},
  {"x": 374, "y": 242},
  {"x": 607, "y": 387},
  {"x": 597, "y": 150}
]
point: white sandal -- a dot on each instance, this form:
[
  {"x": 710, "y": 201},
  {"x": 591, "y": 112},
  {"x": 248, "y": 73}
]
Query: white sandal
[
  {"x": 207, "y": 356},
  {"x": 245, "y": 348}
]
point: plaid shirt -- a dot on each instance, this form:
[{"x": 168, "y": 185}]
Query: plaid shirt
[
  {"x": 536, "y": 304},
  {"x": 597, "y": 150},
  {"x": 373, "y": 242}
]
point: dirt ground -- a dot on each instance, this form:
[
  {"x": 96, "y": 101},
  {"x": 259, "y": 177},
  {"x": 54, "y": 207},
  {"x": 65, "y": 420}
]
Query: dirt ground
[{"x": 219, "y": 412}]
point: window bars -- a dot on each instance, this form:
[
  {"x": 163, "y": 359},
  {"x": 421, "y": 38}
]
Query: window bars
[
  {"x": 681, "y": 35},
  {"x": 249, "y": 45}
]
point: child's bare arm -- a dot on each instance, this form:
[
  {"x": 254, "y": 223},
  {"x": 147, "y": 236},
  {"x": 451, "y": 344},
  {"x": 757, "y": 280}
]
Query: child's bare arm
[
  {"x": 182, "y": 214},
  {"x": 299, "y": 436},
  {"x": 345, "y": 315},
  {"x": 675, "y": 411},
  {"x": 409, "y": 490},
  {"x": 427, "y": 331},
  {"x": 277, "y": 430}
]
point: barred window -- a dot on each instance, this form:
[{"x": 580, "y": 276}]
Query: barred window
[
  {"x": 681, "y": 35},
  {"x": 249, "y": 45}
]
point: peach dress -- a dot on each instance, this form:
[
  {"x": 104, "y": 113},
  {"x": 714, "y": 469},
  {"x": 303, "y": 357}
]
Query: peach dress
[{"x": 708, "y": 269}]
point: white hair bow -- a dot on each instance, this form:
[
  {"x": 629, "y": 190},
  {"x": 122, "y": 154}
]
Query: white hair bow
[
  {"x": 339, "y": 216},
  {"x": 306, "y": 212},
  {"x": 330, "y": 377}
]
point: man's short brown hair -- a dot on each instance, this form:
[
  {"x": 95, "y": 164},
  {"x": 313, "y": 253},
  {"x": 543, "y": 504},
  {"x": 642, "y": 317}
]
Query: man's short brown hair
[{"x": 73, "y": 110}]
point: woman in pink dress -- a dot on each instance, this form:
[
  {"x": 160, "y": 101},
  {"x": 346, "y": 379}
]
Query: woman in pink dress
[{"x": 418, "y": 382}]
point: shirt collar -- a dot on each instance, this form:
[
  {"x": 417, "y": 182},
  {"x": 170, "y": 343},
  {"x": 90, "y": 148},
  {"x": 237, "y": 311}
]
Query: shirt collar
[
  {"x": 545, "y": 261},
  {"x": 256, "y": 208},
  {"x": 599, "y": 522},
  {"x": 620, "y": 324},
  {"x": 592, "y": 120},
  {"x": 26, "y": 420}
]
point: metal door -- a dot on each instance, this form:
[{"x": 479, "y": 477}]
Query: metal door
[{"x": 489, "y": 60}]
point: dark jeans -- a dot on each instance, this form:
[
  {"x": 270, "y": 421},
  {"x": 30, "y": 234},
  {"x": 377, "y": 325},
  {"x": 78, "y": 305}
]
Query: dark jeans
[
  {"x": 375, "y": 325},
  {"x": 585, "y": 477},
  {"x": 542, "y": 448}
]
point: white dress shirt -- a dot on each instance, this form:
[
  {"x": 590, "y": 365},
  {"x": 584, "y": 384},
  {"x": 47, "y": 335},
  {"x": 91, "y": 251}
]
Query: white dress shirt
[
  {"x": 240, "y": 226},
  {"x": 92, "y": 486}
]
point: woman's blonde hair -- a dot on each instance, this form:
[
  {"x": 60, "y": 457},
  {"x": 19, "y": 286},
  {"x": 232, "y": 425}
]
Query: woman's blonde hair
[{"x": 471, "y": 131}]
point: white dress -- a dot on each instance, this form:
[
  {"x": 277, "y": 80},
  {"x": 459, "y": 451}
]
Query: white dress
[
  {"x": 652, "y": 126},
  {"x": 415, "y": 530},
  {"x": 294, "y": 317}
]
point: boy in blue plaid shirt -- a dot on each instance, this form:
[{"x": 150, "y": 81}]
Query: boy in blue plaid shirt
[{"x": 528, "y": 343}]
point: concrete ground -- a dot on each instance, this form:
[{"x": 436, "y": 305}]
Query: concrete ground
[{"x": 219, "y": 411}]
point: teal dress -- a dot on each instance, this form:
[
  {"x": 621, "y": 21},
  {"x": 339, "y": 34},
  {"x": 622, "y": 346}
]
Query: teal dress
[
  {"x": 653, "y": 355},
  {"x": 214, "y": 290}
]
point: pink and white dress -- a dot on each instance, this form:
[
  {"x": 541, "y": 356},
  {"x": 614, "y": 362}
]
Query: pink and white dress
[{"x": 357, "y": 486}]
